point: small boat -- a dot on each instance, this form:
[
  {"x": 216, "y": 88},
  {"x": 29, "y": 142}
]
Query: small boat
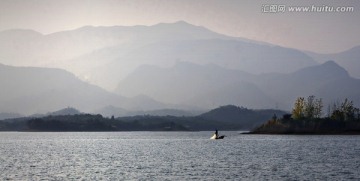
[{"x": 216, "y": 136}]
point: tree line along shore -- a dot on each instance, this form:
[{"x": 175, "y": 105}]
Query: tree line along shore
[{"x": 306, "y": 118}]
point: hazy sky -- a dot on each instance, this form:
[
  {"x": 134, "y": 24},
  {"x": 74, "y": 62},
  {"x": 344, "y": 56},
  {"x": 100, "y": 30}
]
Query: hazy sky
[{"x": 323, "y": 32}]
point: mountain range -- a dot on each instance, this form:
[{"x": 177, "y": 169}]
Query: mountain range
[
  {"x": 29, "y": 90},
  {"x": 160, "y": 69},
  {"x": 211, "y": 85},
  {"x": 105, "y": 55},
  {"x": 349, "y": 59},
  {"x": 228, "y": 117}
]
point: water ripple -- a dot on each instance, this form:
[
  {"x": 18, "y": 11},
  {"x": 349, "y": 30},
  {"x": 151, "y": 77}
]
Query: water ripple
[{"x": 176, "y": 156}]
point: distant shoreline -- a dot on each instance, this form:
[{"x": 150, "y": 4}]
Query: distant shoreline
[
  {"x": 321, "y": 126},
  {"x": 302, "y": 133}
]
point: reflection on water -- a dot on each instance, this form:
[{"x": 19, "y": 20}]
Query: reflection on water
[{"x": 176, "y": 155}]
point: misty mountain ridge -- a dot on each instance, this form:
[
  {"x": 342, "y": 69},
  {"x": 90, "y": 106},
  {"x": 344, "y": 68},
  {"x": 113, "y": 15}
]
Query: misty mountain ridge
[
  {"x": 26, "y": 91},
  {"x": 180, "y": 83},
  {"x": 29, "y": 90},
  {"x": 164, "y": 66},
  {"x": 326, "y": 71},
  {"x": 230, "y": 53},
  {"x": 4, "y": 116},
  {"x": 209, "y": 86},
  {"x": 105, "y": 55},
  {"x": 328, "y": 81},
  {"x": 349, "y": 59},
  {"x": 19, "y": 46},
  {"x": 65, "y": 111}
]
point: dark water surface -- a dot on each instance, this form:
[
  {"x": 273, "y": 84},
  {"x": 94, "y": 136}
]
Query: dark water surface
[{"x": 177, "y": 156}]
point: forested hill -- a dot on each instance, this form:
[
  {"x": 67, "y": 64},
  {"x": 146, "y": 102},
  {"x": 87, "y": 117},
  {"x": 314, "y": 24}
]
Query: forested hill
[
  {"x": 223, "y": 118},
  {"x": 244, "y": 117}
]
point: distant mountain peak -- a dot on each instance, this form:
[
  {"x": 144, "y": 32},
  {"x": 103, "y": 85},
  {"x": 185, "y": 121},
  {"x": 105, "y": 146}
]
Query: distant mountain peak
[
  {"x": 181, "y": 22},
  {"x": 66, "y": 111},
  {"x": 184, "y": 23},
  {"x": 330, "y": 63},
  {"x": 333, "y": 66},
  {"x": 183, "y": 26},
  {"x": 326, "y": 71}
]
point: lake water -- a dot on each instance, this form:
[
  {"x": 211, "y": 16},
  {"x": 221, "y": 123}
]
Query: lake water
[{"x": 177, "y": 156}]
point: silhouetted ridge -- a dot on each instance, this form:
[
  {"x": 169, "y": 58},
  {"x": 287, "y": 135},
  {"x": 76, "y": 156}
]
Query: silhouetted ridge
[
  {"x": 179, "y": 24},
  {"x": 66, "y": 111},
  {"x": 21, "y": 32},
  {"x": 354, "y": 49},
  {"x": 9, "y": 115},
  {"x": 327, "y": 70},
  {"x": 245, "y": 117},
  {"x": 226, "y": 112}
]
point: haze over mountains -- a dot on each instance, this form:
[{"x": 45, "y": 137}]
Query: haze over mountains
[
  {"x": 105, "y": 55},
  {"x": 28, "y": 90},
  {"x": 349, "y": 59},
  {"x": 165, "y": 66},
  {"x": 210, "y": 85}
]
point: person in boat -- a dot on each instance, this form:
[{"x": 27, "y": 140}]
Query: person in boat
[{"x": 216, "y": 135}]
